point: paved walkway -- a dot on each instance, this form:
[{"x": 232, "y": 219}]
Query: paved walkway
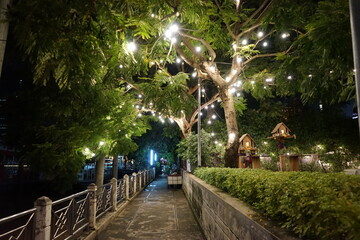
[{"x": 156, "y": 213}]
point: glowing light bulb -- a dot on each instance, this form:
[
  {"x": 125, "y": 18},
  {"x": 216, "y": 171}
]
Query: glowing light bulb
[
  {"x": 194, "y": 74},
  {"x": 212, "y": 105},
  {"x": 131, "y": 46},
  {"x": 212, "y": 69},
  {"x": 244, "y": 42},
  {"x": 212, "y": 134},
  {"x": 168, "y": 33},
  {"x": 260, "y": 34},
  {"x": 203, "y": 90},
  {"x": 289, "y": 77},
  {"x": 140, "y": 96},
  {"x": 152, "y": 15},
  {"x": 173, "y": 40},
  {"x": 232, "y": 90},
  {"x": 101, "y": 143},
  {"x": 268, "y": 80},
  {"x": 284, "y": 35},
  {"x": 121, "y": 66},
  {"x": 139, "y": 115},
  {"x": 310, "y": 75},
  {"x": 213, "y": 116},
  {"x": 234, "y": 46},
  {"x": 227, "y": 79},
  {"x": 209, "y": 122},
  {"x": 265, "y": 44},
  {"x": 252, "y": 82},
  {"x": 198, "y": 48},
  {"x": 238, "y": 59},
  {"x": 174, "y": 28},
  {"x": 178, "y": 60}
]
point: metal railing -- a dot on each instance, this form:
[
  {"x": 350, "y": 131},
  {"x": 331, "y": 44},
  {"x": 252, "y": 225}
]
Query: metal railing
[
  {"x": 103, "y": 199},
  {"x": 19, "y": 226},
  {"x": 68, "y": 217},
  {"x": 120, "y": 190}
]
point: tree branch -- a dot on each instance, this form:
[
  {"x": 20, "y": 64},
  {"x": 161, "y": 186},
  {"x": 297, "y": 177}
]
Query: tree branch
[
  {"x": 213, "y": 99},
  {"x": 254, "y": 14},
  {"x": 227, "y": 25},
  {"x": 206, "y": 44}
]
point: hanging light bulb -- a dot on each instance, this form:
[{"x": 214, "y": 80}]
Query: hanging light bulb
[
  {"x": 152, "y": 15},
  {"x": 227, "y": 79},
  {"x": 209, "y": 122},
  {"x": 212, "y": 105},
  {"x": 265, "y": 44},
  {"x": 268, "y": 80},
  {"x": 198, "y": 49},
  {"x": 234, "y": 46},
  {"x": 194, "y": 74},
  {"x": 289, "y": 77},
  {"x": 212, "y": 134},
  {"x": 178, "y": 60},
  {"x": 131, "y": 46},
  {"x": 244, "y": 42},
  {"x": 121, "y": 66},
  {"x": 238, "y": 59},
  {"x": 284, "y": 35},
  {"x": 260, "y": 34},
  {"x": 174, "y": 28},
  {"x": 213, "y": 116}
]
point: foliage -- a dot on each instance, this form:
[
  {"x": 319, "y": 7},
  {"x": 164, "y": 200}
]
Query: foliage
[
  {"x": 211, "y": 152},
  {"x": 313, "y": 205},
  {"x": 57, "y": 130}
]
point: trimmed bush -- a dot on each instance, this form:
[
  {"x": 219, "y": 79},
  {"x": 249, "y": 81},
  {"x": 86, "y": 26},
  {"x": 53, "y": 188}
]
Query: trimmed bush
[{"x": 313, "y": 205}]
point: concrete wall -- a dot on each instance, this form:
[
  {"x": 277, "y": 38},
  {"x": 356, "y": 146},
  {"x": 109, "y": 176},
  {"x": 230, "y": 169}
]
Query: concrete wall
[{"x": 224, "y": 217}]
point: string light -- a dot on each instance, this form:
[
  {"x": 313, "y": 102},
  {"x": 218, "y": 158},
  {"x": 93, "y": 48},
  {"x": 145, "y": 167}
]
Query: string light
[
  {"x": 289, "y": 77},
  {"x": 238, "y": 59},
  {"x": 174, "y": 28},
  {"x": 260, "y": 34},
  {"x": 265, "y": 44},
  {"x": 121, "y": 66},
  {"x": 238, "y": 94},
  {"x": 284, "y": 35},
  {"x": 212, "y": 69},
  {"x": 310, "y": 75},
  {"x": 244, "y": 42},
  {"x": 101, "y": 143},
  {"x": 131, "y": 46},
  {"x": 139, "y": 115},
  {"x": 178, "y": 60},
  {"x": 227, "y": 79},
  {"x": 252, "y": 82},
  {"x": 213, "y": 116},
  {"x": 171, "y": 120},
  {"x": 268, "y": 80},
  {"x": 234, "y": 46},
  {"x": 203, "y": 90},
  {"x": 232, "y": 90},
  {"x": 152, "y": 15},
  {"x": 206, "y": 107},
  {"x": 140, "y": 96},
  {"x": 173, "y": 40},
  {"x": 198, "y": 49},
  {"x": 209, "y": 122},
  {"x": 216, "y": 142},
  {"x": 161, "y": 61},
  {"x": 212, "y": 134},
  {"x": 212, "y": 105},
  {"x": 194, "y": 74}
]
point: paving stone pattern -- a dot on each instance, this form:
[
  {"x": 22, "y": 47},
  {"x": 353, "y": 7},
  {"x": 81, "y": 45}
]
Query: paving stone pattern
[{"x": 158, "y": 212}]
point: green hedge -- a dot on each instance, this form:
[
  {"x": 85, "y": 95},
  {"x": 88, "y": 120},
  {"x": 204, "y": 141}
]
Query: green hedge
[{"x": 313, "y": 205}]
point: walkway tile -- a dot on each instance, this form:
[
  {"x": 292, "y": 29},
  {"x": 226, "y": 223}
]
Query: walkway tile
[{"x": 156, "y": 213}]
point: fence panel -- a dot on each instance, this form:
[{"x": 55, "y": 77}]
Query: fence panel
[
  {"x": 19, "y": 226},
  {"x": 103, "y": 199},
  {"x": 121, "y": 195},
  {"x": 69, "y": 216}
]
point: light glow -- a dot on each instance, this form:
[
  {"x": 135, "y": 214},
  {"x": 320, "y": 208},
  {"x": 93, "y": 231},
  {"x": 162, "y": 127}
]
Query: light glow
[
  {"x": 151, "y": 157},
  {"x": 244, "y": 42},
  {"x": 260, "y": 34},
  {"x": 131, "y": 47},
  {"x": 198, "y": 49}
]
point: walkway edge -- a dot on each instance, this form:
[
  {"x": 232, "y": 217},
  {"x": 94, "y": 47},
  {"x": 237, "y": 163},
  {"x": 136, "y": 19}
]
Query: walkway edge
[{"x": 107, "y": 218}]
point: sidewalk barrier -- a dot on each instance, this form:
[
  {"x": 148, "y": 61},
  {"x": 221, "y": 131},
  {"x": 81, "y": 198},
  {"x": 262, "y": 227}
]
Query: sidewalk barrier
[{"x": 69, "y": 217}]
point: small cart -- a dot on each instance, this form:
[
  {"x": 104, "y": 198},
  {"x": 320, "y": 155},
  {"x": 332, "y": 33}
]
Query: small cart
[{"x": 174, "y": 180}]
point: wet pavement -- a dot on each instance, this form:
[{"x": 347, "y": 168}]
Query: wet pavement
[{"x": 158, "y": 212}]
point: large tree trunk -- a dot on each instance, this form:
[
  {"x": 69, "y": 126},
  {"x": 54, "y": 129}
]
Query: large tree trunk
[
  {"x": 115, "y": 166},
  {"x": 231, "y": 151},
  {"x": 99, "y": 170},
  {"x": 4, "y": 26}
]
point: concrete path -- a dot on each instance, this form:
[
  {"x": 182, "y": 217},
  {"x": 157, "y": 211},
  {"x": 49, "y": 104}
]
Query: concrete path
[{"x": 156, "y": 213}]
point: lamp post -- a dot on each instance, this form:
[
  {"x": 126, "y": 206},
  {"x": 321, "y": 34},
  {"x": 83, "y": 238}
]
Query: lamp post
[
  {"x": 199, "y": 124},
  {"x": 355, "y": 32}
]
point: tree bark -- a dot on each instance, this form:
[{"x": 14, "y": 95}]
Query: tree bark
[
  {"x": 115, "y": 166},
  {"x": 4, "y": 26},
  {"x": 99, "y": 170},
  {"x": 231, "y": 151}
]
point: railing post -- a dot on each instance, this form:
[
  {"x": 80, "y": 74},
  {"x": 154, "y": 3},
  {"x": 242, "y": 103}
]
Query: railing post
[
  {"x": 126, "y": 179},
  {"x": 92, "y": 205},
  {"x": 134, "y": 176},
  {"x": 140, "y": 180},
  {"x": 113, "y": 194},
  {"x": 43, "y": 218},
  {"x": 145, "y": 178}
]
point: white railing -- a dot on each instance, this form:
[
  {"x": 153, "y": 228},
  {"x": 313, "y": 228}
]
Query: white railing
[{"x": 68, "y": 217}]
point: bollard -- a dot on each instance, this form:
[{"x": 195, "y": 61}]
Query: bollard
[
  {"x": 113, "y": 194},
  {"x": 140, "y": 180},
  {"x": 43, "y": 218},
  {"x": 92, "y": 205},
  {"x": 126, "y": 179}
]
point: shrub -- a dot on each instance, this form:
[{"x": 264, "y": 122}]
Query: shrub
[{"x": 313, "y": 205}]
